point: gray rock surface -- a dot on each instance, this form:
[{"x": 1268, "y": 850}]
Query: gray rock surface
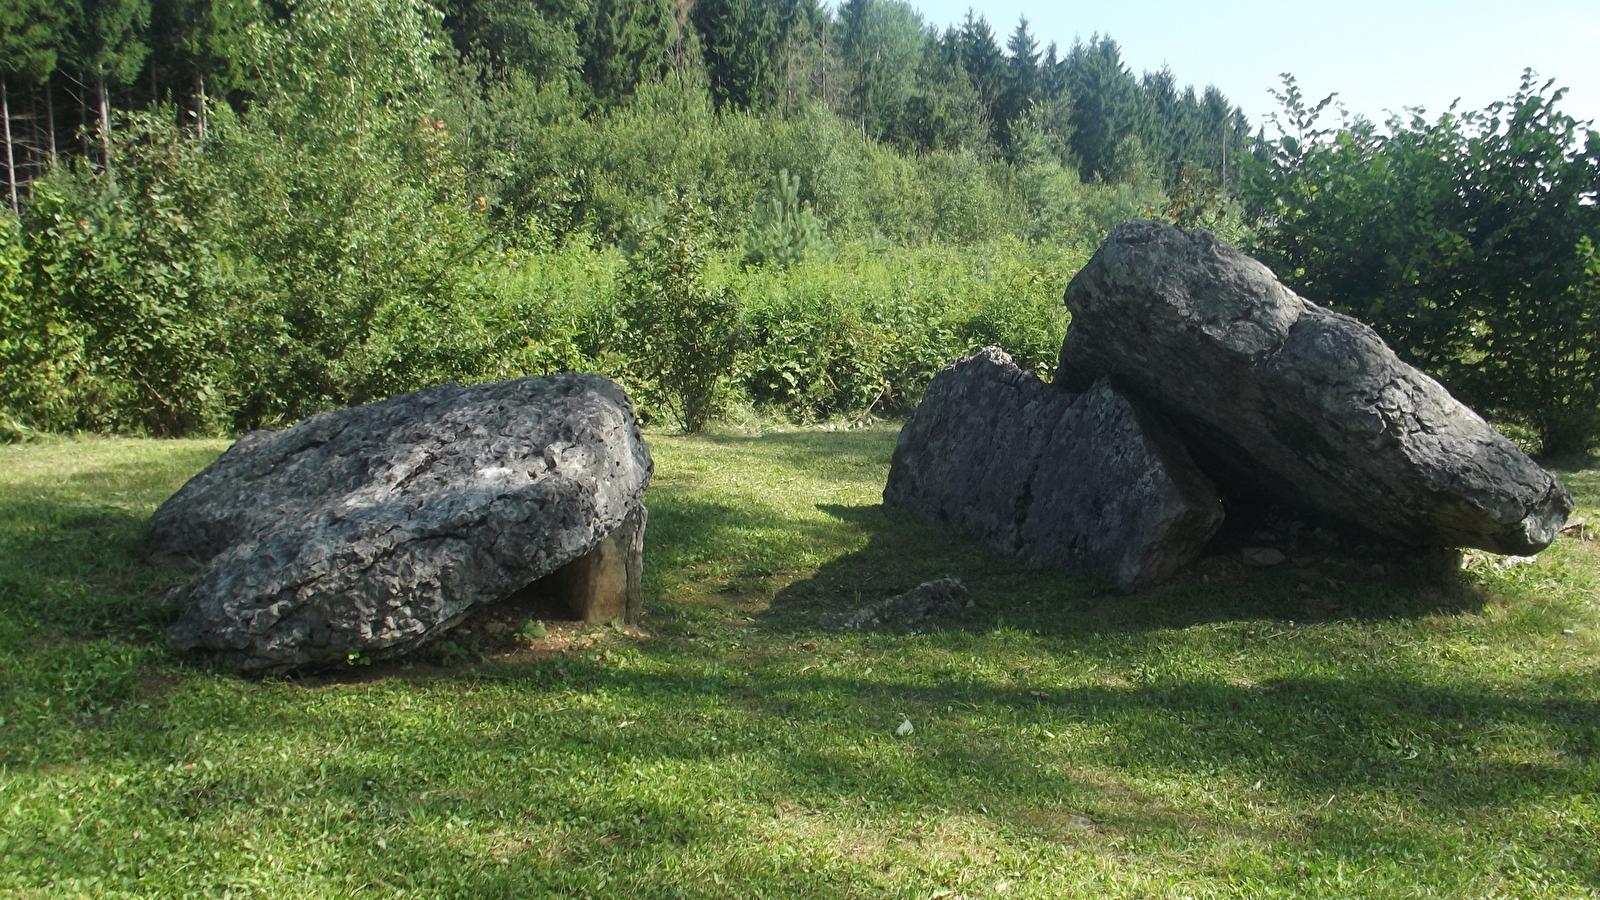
[
  {"x": 372, "y": 530},
  {"x": 928, "y": 602},
  {"x": 1310, "y": 405},
  {"x": 1081, "y": 481}
]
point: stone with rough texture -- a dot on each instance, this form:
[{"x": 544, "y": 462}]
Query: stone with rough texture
[
  {"x": 1303, "y": 402},
  {"x": 928, "y": 602},
  {"x": 605, "y": 584},
  {"x": 373, "y": 530},
  {"x": 1081, "y": 481}
]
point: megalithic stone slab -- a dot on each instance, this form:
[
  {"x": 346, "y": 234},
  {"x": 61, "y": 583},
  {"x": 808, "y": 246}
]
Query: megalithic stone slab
[
  {"x": 1307, "y": 404},
  {"x": 604, "y": 585},
  {"x": 373, "y": 530},
  {"x": 1080, "y": 481}
]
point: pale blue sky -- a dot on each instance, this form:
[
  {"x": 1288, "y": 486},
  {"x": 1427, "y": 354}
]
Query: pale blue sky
[{"x": 1377, "y": 55}]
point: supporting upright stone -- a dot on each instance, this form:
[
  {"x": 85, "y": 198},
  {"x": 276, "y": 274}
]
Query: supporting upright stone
[
  {"x": 604, "y": 584},
  {"x": 1083, "y": 482}
]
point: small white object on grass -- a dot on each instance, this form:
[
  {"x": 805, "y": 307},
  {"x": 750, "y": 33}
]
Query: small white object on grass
[{"x": 906, "y": 729}]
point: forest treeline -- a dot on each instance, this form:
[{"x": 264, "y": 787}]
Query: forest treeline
[
  {"x": 229, "y": 214},
  {"x": 67, "y": 65}
]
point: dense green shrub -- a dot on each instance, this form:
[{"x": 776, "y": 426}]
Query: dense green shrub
[
  {"x": 338, "y": 241},
  {"x": 682, "y": 333},
  {"x": 554, "y": 311},
  {"x": 23, "y": 343},
  {"x": 535, "y": 159},
  {"x": 1466, "y": 241},
  {"x": 868, "y": 332},
  {"x": 861, "y": 332},
  {"x": 309, "y": 253},
  {"x": 118, "y": 322}
]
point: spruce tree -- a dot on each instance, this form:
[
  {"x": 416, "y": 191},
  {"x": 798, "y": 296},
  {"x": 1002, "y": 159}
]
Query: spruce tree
[
  {"x": 1109, "y": 113},
  {"x": 985, "y": 64},
  {"x": 1022, "y": 83},
  {"x": 741, "y": 40},
  {"x": 945, "y": 112},
  {"x": 625, "y": 43}
]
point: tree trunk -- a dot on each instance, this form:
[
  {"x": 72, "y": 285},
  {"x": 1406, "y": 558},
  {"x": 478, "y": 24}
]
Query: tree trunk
[
  {"x": 50, "y": 117},
  {"x": 200, "y": 104},
  {"x": 83, "y": 116},
  {"x": 105, "y": 119},
  {"x": 11, "y": 162}
]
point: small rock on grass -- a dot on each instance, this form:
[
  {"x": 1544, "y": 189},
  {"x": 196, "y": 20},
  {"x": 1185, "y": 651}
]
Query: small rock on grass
[
  {"x": 946, "y": 598},
  {"x": 1263, "y": 556}
]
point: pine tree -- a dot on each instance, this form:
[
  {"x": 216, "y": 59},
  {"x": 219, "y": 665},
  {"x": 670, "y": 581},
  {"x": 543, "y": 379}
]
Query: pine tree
[
  {"x": 1052, "y": 74},
  {"x": 983, "y": 61},
  {"x": 1110, "y": 112},
  {"x": 945, "y": 112}
]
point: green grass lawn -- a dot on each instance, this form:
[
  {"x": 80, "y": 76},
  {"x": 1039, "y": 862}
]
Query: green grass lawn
[{"x": 1241, "y": 733}]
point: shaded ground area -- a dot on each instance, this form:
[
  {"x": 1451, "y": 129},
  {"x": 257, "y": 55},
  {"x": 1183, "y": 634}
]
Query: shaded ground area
[{"x": 1241, "y": 732}]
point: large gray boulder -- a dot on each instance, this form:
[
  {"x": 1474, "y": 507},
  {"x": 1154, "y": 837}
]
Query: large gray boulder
[
  {"x": 1307, "y": 404},
  {"x": 373, "y": 530},
  {"x": 1081, "y": 481}
]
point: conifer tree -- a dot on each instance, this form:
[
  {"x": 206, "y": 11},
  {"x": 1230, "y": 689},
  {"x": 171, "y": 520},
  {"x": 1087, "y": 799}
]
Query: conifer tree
[
  {"x": 945, "y": 112},
  {"x": 109, "y": 47},
  {"x": 538, "y": 38},
  {"x": 741, "y": 41},
  {"x": 1110, "y": 112},
  {"x": 1022, "y": 83},
  {"x": 30, "y": 37},
  {"x": 881, "y": 41},
  {"x": 197, "y": 46},
  {"x": 803, "y": 53},
  {"x": 625, "y": 43},
  {"x": 985, "y": 64}
]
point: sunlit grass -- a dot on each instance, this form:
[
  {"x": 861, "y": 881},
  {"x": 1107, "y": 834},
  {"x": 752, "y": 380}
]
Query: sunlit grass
[{"x": 1259, "y": 735}]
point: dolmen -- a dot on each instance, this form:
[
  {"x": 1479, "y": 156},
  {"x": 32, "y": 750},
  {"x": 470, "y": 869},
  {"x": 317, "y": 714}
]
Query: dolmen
[
  {"x": 1191, "y": 376},
  {"x": 369, "y": 532}
]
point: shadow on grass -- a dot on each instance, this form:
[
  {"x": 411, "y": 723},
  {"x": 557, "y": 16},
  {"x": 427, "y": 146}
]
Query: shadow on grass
[
  {"x": 81, "y": 574},
  {"x": 903, "y": 551},
  {"x": 71, "y": 548},
  {"x": 820, "y": 742},
  {"x": 414, "y": 759}
]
